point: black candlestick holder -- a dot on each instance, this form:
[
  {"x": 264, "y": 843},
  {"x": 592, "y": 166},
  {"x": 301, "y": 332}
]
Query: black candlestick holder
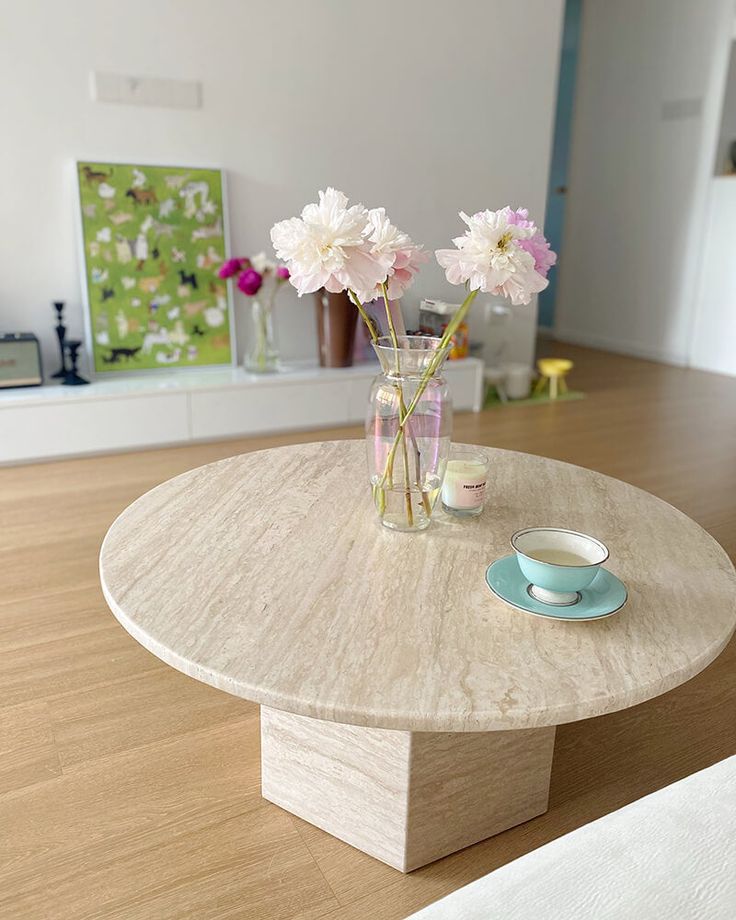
[
  {"x": 61, "y": 336},
  {"x": 72, "y": 378}
]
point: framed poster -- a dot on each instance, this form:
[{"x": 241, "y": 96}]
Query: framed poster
[{"x": 153, "y": 239}]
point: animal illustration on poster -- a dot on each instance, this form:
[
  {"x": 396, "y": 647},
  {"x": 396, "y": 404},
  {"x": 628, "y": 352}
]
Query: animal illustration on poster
[{"x": 153, "y": 241}]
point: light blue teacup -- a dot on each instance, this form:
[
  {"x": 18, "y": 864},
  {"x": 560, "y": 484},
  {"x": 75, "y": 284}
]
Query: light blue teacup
[{"x": 558, "y": 563}]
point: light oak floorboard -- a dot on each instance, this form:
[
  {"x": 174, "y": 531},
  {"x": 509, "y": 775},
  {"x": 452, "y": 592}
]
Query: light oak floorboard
[
  {"x": 28, "y": 754},
  {"x": 129, "y": 791},
  {"x": 51, "y": 617},
  {"x": 154, "y": 706},
  {"x": 91, "y": 659}
]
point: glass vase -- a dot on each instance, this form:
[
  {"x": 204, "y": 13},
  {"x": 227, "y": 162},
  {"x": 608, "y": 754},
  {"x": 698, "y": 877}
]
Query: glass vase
[
  {"x": 262, "y": 356},
  {"x": 408, "y": 430}
]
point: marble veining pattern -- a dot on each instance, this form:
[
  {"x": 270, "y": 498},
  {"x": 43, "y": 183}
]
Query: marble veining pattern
[
  {"x": 407, "y": 798},
  {"x": 267, "y": 575}
]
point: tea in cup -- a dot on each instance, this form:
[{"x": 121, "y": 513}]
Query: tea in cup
[{"x": 558, "y": 563}]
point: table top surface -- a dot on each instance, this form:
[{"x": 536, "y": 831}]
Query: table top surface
[{"x": 268, "y": 576}]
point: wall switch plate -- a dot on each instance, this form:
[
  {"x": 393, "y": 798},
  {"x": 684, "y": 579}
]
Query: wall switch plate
[{"x": 131, "y": 90}]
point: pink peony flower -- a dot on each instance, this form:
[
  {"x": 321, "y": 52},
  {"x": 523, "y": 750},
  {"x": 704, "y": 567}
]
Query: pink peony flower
[
  {"x": 490, "y": 256},
  {"x": 519, "y": 217},
  {"x": 390, "y": 243},
  {"x": 405, "y": 268},
  {"x": 250, "y": 282},
  {"x": 231, "y": 267},
  {"x": 536, "y": 245},
  {"x": 282, "y": 273},
  {"x": 328, "y": 247}
]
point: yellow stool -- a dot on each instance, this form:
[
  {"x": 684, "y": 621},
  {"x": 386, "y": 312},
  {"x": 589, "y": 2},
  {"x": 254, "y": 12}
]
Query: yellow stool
[{"x": 553, "y": 371}]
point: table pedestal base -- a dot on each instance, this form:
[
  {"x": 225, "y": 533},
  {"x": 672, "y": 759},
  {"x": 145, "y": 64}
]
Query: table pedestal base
[{"x": 406, "y": 798}]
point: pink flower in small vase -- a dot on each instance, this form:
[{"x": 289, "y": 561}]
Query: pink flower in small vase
[
  {"x": 250, "y": 282},
  {"x": 282, "y": 273},
  {"x": 230, "y": 267}
]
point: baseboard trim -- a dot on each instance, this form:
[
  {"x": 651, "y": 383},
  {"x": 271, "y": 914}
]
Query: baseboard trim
[{"x": 620, "y": 347}]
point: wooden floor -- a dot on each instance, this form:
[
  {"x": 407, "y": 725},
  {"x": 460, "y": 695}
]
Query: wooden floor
[{"x": 129, "y": 791}]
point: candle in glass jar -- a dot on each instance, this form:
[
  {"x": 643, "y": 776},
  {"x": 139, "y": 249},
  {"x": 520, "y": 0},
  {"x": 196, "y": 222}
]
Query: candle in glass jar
[{"x": 464, "y": 485}]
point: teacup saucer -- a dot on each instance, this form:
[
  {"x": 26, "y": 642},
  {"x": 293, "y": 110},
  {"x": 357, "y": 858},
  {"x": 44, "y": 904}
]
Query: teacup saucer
[{"x": 605, "y": 595}]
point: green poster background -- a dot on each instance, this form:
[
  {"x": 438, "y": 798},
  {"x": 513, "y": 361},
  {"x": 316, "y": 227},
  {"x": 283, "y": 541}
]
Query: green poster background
[{"x": 154, "y": 239}]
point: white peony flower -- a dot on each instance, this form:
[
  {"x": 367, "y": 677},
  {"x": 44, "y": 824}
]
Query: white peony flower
[
  {"x": 328, "y": 247},
  {"x": 488, "y": 258}
]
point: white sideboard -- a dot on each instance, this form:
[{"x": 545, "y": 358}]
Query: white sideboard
[{"x": 40, "y": 423}]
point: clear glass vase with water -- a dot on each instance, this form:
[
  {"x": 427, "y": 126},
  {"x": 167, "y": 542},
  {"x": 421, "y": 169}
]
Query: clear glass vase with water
[
  {"x": 408, "y": 430},
  {"x": 262, "y": 356}
]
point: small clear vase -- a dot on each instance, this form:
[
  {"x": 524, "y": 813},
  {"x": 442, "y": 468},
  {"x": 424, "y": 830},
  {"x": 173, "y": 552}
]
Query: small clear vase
[
  {"x": 262, "y": 356},
  {"x": 408, "y": 430}
]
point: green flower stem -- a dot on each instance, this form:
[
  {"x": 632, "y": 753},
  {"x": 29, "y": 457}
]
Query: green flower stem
[
  {"x": 366, "y": 319},
  {"x": 417, "y": 458},
  {"x": 391, "y": 327},
  {"x": 402, "y": 407},
  {"x": 262, "y": 335},
  {"x": 437, "y": 359},
  {"x": 379, "y": 495}
]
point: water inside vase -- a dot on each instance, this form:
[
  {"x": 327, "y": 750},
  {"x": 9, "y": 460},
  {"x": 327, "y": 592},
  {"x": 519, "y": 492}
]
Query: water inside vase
[{"x": 406, "y": 509}]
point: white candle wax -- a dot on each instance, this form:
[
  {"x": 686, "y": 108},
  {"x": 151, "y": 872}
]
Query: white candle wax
[{"x": 464, "y": 485}]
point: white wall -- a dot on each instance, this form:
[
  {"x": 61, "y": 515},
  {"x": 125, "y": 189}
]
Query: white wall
[
  {"x": 639, "y": 177},
  {"x": 419, "y": 106},
  {"x": 714, "y": 331}
]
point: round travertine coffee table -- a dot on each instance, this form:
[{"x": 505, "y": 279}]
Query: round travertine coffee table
[{"x": 405, "y": 708}]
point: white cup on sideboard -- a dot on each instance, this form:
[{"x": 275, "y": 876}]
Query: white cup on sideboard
[{"x": 518, "y": 380}]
